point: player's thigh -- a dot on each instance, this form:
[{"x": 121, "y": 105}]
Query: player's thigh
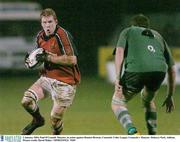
[
  {"x": 132, "y": 84},
  {"x": 37, "y": 90},
  {"x": 63, "y": 94},
  {"x": 153, "y": 81}
]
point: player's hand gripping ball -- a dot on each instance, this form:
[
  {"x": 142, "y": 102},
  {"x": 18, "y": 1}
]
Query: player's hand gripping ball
[{"x": 31, "y": 60}]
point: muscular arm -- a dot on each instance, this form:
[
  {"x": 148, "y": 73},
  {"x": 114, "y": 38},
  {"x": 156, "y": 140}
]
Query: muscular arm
[
  {"x": 63, "y": 60},
  {"x": 119, "y": 56},
  {"x": 119, "y": 61}
]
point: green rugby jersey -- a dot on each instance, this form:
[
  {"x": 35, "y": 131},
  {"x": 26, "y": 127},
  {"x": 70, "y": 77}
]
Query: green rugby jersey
[{"x": 145, "y": 50}]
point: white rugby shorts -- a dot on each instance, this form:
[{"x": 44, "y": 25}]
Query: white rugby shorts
[{"x": 62, "y": 93}]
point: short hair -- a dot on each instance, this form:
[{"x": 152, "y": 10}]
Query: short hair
[
  {"x": 140, "y": 20},
  {"x": 48, "y": 12}
]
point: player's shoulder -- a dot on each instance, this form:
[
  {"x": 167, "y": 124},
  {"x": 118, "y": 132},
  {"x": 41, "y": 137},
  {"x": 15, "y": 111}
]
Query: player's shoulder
[
  {"x": 60, "y": 30},
  {"x": 125, "y": 31},
  {"x": 40, "y": 33},
  {"x": 156, "y": 33},
  {"x": 63, "y": 32}
]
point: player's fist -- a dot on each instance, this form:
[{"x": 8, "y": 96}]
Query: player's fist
[{"x": 42, "y": 57}]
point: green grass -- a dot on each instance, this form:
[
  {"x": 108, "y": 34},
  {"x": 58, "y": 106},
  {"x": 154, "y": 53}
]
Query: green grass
[{"x": 90, "y": 113}]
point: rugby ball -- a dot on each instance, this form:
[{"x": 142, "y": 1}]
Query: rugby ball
[{"x": 30, "y": 59}]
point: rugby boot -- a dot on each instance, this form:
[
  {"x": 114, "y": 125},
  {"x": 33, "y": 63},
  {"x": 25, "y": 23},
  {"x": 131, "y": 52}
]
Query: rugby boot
[
  {"x": 33, "y": 125},
  {"x": 133, "y": 131}
]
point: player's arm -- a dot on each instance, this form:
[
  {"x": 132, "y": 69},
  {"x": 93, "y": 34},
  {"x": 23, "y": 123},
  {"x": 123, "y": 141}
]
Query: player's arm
[
  {"x": 62, "y": 60},
  {"x": 68, "y": 60},
  {"x": 169, "y": 102},
  {"x": 119, "y": 57},
  {"x": 171, "y": 81},
  {"x": 119, "y": 54}
]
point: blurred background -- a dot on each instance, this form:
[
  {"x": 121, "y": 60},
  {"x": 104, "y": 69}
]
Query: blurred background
[{"x": 95, "y": 26}]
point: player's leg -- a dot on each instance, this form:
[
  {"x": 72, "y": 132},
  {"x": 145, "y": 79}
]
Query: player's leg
[
  {"x": 131, "y": 86},
  {"x": 150, "y": 111},
  {"x": 120, "y": 110},
  {"x": 152, "y": 83},
  {"x": 57, "y": 119},
  {"x": 62, "y": 95},
  {"x": 29, "y": 102}
]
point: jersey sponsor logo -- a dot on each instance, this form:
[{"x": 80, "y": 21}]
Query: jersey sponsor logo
[{"x": 151, "y": 48}]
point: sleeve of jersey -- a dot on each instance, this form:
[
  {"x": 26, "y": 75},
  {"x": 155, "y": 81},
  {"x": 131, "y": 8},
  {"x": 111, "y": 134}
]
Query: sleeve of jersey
[
  {"x": 37, "y": 44},
  {"x": 168, "y": 55},
  {"x": 67, "y": 43},
  {"x": 122, "y": 39}
]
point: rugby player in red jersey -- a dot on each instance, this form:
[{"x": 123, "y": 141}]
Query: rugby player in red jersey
[{"x": 59, "y": 76}]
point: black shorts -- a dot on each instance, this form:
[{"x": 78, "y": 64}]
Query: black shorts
[{"x": 134, "y": 82}]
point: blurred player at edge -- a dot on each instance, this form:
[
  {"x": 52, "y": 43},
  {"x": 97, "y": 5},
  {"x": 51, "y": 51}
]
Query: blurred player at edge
[
  {"x": 59, "y": 76},
  {"x": 146, "y": 58}
]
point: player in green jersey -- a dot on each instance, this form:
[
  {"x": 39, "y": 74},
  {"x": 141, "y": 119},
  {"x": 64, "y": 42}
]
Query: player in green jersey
[{"x": 146, "y": 59}]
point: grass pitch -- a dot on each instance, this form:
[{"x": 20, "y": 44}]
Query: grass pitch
[{"x": 90, "y": 113}]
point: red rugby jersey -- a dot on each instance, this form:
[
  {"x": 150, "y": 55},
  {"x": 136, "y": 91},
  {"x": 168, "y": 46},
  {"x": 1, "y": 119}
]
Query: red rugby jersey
[{"x": 59, "y": 43}]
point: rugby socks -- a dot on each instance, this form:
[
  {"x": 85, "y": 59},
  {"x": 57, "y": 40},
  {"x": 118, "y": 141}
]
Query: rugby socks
[
  {"x": 58, "y": 129},
  {"x": 151, "y": 122},
  {"x": 125, "y": 119},
  {"x": 37, "y": 121}
]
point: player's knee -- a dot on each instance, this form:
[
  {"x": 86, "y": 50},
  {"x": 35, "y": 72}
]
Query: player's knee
[
  {"x": 146, "y": 104},
  {"x": 55, "y": 121},
  {"x": 149, "y": 105},
  {"x": 118, "y": 101},
  {"x": 26, "y": 102},
  {"x": 28, "y": 99},
  {"x": 56, "y": 116}
]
